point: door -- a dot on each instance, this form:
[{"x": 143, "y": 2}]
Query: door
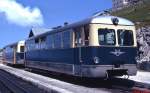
[{"x": 80, "y": 41}]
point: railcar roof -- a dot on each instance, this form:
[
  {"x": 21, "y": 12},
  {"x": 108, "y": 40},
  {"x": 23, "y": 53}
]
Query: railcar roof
[
  {"x": 92, "y": 20},
  {"x": 12, "y": 44},
  {"x": 103, "y": 20},
  {"x": 21, "y": 42},
  {"x": 108, "y": 20},
  {"x": 38, "y": 31}
]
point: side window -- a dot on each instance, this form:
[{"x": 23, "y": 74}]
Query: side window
[
  {"x": 30, "y": 45},
  {"x": 81, "y": 36},
  {"x": 78, "y": 38},
  {"x": 50, "y": 41},
  {"x": 27, "y": 46},
  {"x": 66, "y": 39},
  {"x": 11, "y": 49},
  {"x": 43, "y": 42},
  {"x": 57, "y": 40},
  {"x": 21, "y": 48},
  {"x": 37, "y": 41},
  {"x": 40, "y": 42},
  {"x": 86, "y": 33}
]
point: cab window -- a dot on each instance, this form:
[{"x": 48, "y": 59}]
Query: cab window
[
  {"x": 106, "y": 36},
  {"x": 125, "y": 37}
]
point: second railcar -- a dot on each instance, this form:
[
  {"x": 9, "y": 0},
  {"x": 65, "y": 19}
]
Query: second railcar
[{"x": 13, "y": 54}]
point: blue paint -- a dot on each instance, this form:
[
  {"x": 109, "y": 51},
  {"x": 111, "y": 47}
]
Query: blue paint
[
  {"x": 71, "y": 55},
  {"x": 10, "y": 57}
]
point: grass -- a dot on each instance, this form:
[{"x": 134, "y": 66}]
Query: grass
[{"x": 137, "y": 13}]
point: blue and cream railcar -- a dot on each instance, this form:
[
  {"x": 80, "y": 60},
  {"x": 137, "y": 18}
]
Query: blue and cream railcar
[
  {"x": 13, "y": 54},
  {"x": 95, "y": 47}
]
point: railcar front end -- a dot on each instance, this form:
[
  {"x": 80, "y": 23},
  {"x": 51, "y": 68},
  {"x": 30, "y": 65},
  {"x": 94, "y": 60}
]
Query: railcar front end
[{"x": 111, "y": 52}]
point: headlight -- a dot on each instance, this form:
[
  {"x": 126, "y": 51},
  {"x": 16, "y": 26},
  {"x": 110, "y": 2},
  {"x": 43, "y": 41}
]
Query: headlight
[{"x": 96, "y": 60}]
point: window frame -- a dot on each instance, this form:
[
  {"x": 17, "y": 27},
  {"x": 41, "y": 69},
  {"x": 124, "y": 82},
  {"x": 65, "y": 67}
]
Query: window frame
[
  {"x": 81, "y": 29},
  {"x": 22, "y": 48},
  {"x": 69, "y": 38},
  {"x": 55, "y": 37},
  {"x": 130, "y": 38},
  {"x": 106, "y": 44}
]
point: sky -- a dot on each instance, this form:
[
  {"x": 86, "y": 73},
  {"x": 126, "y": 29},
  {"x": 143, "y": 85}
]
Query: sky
[{"x": 17, "y": 17}]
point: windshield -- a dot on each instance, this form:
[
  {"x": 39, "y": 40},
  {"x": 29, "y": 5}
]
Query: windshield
[
  {"x": 125, "y": 37},
  {"x": 106, "y": 36}
]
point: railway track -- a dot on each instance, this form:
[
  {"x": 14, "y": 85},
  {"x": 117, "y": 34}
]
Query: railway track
[{"x": 11, "y": 84}]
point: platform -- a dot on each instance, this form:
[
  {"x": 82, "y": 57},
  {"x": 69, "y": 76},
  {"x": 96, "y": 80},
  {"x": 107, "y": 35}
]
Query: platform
[
  {"x": 141, "y": 76},
  {"x": 50, "y": 84}
]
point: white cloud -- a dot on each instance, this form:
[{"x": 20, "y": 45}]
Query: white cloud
[{"x": 20, "y": 15}]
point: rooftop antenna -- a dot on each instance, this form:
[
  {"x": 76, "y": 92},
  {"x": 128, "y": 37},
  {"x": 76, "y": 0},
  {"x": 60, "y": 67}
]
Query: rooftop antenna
[{"x": 102, "y": 13}]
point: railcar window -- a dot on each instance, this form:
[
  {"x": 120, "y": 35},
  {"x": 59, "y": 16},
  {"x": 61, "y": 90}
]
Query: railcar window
[
  {"x": 66, "y": 39},
  {"x": 125, "y": 37},
  {"x": 27, "y": 46},
  {"x": 21, "y": 48},
  {"x": 40, "y": 42},
  {"x": 50, "y": 41},
  {"x": 57, "y": 40},
  {"x": 106, "y": 36},
  {"x": 78, "y": 38},
  {"x": 37, "y": 40},
  {"x": 43, "y": 39},
  {"x": 9, "y": 50},
  {"x": 21, "y": 56},
  {"x": 81, "y": 36},
  {"x": 30, "y": 45},
  {"x": 43, "y": 42},
  {"x": 37, "y": 43},
  {"x": 86, "y": 32}
]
